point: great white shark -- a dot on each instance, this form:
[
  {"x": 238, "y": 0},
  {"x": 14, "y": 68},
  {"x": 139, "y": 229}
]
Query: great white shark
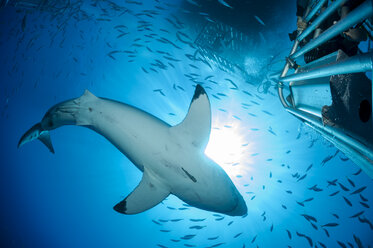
[{"x": 171, "y": 158}]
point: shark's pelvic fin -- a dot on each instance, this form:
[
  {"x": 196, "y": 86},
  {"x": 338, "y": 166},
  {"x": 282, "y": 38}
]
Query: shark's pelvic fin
[
  {"x": 145, "y": 196},
  {"x": 197, "y": 124}
]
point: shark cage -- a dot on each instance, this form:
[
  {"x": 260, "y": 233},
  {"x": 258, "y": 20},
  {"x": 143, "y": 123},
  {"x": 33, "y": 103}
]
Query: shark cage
[
  {"x": 332, "y": 93},
  {"x": 42, "y": 5}
]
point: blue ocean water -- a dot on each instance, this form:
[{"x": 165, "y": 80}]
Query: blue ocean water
[{"x": 119, "y": 50}]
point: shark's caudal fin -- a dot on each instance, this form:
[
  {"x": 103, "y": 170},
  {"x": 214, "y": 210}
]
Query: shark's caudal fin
[
  {"x": 45, "y": 138},
  {"x": 37, "y": 132},
  {"x": 197, "y": 124},
  {"x": 146, "y": 195},
  {"x": 65, "y": 113}
]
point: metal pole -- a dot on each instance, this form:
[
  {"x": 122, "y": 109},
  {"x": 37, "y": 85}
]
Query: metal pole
[
  {"x": 362, "y": 161},
  {"x": 325, "y": 14},
  {"x": 280, "y": 85},
  {"x": 357, "y": 63},
  {"x": 357, "y": 15},
  {"x": 314, "y": 10},
  {"x": 363, "y": 149},
  {"x": 275, "y": 75},
  {"x": 368, "y": 21}
]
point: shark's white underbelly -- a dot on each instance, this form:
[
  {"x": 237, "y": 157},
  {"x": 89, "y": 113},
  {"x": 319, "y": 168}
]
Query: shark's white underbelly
[
  {"x": 148, "y": 142},
  {"x": 172, "y": 159}
]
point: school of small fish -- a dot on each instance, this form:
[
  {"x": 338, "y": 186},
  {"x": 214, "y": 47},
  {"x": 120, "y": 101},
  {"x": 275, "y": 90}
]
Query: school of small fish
[{"x": 291, "y": 201}]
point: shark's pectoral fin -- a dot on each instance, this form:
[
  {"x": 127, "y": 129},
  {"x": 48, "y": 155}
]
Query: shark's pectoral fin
[
  {"x": 145, "y": 196},
  {"x": 197, "y": 124}
]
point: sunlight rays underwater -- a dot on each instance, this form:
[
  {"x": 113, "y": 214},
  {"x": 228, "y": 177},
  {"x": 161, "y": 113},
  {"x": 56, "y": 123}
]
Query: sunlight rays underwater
[{"x": 66, "y": 200}]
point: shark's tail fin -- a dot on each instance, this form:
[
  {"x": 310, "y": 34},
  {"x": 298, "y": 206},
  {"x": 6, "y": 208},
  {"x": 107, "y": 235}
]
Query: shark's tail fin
[
  {"x": 71, "y": 112},
  {"x": 37, "y": 132}
]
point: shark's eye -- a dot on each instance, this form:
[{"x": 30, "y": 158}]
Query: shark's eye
[{"x": 50, "y": 123}]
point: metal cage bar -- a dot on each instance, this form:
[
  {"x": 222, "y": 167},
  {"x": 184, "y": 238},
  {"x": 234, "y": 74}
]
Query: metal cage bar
[
  {"x": 358, "y": 151},
  {"x": 355, "y": 64},
  {"x": 361, "y": 148},
  {"x": 364, "y": 162},
  {"x": 357, "y": 15},
  {"x": 314, "y": 10},
  {"x": 283, "y": 74},
  {"x": 325, "y": 14}
]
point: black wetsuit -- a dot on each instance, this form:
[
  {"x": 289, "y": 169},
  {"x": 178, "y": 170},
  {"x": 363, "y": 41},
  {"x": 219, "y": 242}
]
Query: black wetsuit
[{"x": 302, "y": 7}]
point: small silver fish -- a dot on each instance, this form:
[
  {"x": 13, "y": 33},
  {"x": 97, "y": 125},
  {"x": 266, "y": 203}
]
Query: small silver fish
[{"x": 259, "y": 20}]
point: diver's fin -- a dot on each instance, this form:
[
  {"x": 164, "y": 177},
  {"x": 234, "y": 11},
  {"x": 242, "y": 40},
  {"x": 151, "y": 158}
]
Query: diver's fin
[
  {"x": 146, "y": 195},
  {"x": 196, "y": 126},
  {"x": 46, "y": 139}
]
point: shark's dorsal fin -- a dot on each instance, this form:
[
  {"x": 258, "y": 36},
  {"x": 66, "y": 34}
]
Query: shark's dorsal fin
[
  {"x": 146, "y": 195},
  {"x": 196, "y": 126}
]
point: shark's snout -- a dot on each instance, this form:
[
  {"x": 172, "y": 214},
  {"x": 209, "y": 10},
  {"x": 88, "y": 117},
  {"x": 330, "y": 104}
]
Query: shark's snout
[{"x": 240, "y": 208}]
